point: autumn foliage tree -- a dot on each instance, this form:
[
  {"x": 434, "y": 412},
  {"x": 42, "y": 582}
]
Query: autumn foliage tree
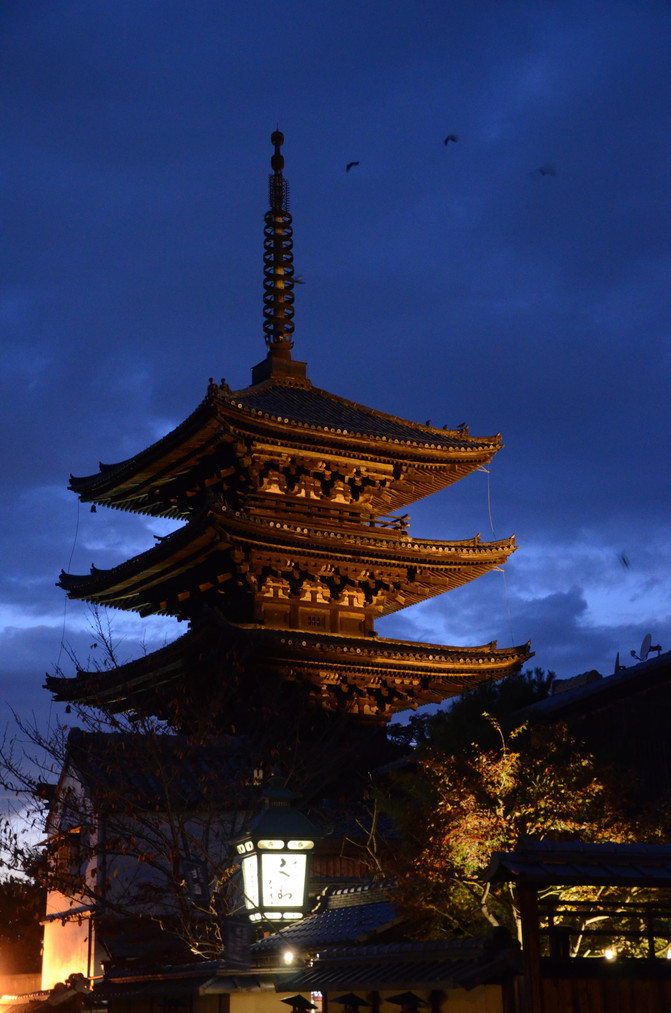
[{"x": 478, "y": 784}]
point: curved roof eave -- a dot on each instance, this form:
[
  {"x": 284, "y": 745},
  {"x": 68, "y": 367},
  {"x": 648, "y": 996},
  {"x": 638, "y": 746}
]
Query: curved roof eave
[
  {"x": 314, "y": 414},
  {"x": 199, "y": 536},
  {"x": 164, "y": 665}
]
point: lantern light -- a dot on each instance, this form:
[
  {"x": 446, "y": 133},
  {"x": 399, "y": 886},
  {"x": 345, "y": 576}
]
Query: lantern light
[{"x": 275, "y": 851}]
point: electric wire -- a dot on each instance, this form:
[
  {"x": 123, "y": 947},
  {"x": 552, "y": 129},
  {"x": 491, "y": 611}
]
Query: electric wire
[
  {"x": 65, "y": 598},
  {"x": 505, "y": 582}
]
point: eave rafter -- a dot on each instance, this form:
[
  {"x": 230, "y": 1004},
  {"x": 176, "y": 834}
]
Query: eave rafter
[
  {"x": 128, "y": 485},
  {"x": 225, "y": 426},
  {"x": 227, "y": 553},
  {"x": 374, "y": 678}
]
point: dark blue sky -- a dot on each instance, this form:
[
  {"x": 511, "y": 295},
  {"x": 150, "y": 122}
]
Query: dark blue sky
[{"x": 456, "y": 283}]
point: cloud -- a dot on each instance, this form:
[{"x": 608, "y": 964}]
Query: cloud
[{"x": 453, "y": 284}]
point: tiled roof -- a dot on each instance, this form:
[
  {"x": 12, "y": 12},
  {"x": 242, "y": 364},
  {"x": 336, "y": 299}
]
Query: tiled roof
[
  {"x": 435, "y": 660},
  {"x": 203, "y": 977},
  {"x": 138, "y": 583},
  {"x": 592, "y": 695},
  {"x": 287, "y": 405},
  {"x": 568, "y": 863},
  {"x": 341, "y": 916},
  {"x": 28, "y": 1005},
  {"x": 304, "y": 405},
  {"x": 466, "y": 962}
]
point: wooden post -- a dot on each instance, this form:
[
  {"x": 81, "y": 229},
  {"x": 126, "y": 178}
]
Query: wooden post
[{"x": 531, "y": 948}]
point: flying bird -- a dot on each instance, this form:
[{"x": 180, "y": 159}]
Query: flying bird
[
  {"x": 451, "y": 137},
  {"x": 622, "y": 556},
  {"x": 349, "y": 166},
  {"x": 547, "y": 170}
]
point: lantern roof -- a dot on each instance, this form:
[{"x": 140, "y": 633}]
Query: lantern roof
[{"x": 279, "y": 820}]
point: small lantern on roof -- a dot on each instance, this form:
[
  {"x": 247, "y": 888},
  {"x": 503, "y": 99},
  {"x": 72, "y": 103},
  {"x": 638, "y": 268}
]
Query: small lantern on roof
[
  {"x": 275, "y": 851},
  {"x": 408, "y": 1001},
  {"x": 351, "y": 1002},
  {"x": 298, "y": 1004}
]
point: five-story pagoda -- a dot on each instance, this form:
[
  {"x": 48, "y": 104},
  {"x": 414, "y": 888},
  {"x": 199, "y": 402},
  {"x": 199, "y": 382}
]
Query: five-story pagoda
[{"x": 292, "y": 544}]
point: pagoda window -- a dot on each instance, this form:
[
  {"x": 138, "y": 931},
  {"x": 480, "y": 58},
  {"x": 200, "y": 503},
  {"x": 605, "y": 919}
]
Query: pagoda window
[
  {"x": 314, "y": 620},
  {"x": 341, "y": 493}
]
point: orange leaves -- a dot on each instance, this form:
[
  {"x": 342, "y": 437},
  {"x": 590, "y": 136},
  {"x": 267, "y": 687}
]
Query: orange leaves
[{"x": 463, "y": 805}]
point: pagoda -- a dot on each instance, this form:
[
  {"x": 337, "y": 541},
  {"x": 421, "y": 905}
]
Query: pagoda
[{"x": 294, "y": 540}]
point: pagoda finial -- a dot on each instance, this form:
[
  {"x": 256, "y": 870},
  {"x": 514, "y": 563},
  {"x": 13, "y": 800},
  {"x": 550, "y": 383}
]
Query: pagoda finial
[{"x": 278, "y": 260}]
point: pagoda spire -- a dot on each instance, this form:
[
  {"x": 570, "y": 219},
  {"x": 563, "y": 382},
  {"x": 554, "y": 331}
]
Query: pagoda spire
[{"x": 278, "y": 261}]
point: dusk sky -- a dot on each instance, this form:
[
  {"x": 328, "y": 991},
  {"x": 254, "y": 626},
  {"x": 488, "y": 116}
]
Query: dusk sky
[{"x": 516, "y": 279}]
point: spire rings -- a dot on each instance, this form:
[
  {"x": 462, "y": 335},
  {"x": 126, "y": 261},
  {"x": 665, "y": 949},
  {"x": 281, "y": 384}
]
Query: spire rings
[{"x": 278, "y": 277}]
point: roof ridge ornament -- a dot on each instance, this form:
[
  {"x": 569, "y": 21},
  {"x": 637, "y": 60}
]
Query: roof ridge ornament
[{"x": 278, "y": 260}]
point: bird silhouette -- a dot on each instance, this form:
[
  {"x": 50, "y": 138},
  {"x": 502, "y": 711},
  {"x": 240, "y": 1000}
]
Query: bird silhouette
[
  {"x": 451, "y": 137},
  {"x": 349, "y": 166},
  {"x": 624, "y": 560},
  {"x": 547, "y": 170}
]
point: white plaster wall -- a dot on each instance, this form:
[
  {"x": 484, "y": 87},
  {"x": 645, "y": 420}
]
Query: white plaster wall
[{"x": 66, "y": 949}]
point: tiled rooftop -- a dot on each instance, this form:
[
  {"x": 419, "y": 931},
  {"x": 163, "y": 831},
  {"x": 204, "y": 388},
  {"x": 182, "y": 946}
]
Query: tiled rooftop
[
  {"x": 465, "y": 962},
  {"x": 567, "y": 863},
  {"x": 341, "y": 916},
  {"x": 305, "y": 405}
]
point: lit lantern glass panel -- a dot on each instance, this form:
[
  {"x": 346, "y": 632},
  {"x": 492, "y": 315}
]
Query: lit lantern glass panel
[
  {"x": 251, "y": 880},
  {"x": 283, "y": 880}
]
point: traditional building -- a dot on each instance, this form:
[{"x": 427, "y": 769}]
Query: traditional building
[{"x": 294, "y": 539}]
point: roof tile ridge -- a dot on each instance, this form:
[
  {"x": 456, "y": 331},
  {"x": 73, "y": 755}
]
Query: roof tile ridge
[
  {"x": 474, "y": 542},
  {"x": 457, "y": 433},
  {"x": 364, "y": 895},
  {"x": 359, "y": 888},
  {"x": 416, "y": 646},
  {"x": 373, "y": 644},
  {"x": 489, "y": 648},
  {"x": 460, "y": 436},
  {"x": 372, "y": 537},
  {"x": 405, "y": 948},
  {"x": 273, "y": 381}
]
